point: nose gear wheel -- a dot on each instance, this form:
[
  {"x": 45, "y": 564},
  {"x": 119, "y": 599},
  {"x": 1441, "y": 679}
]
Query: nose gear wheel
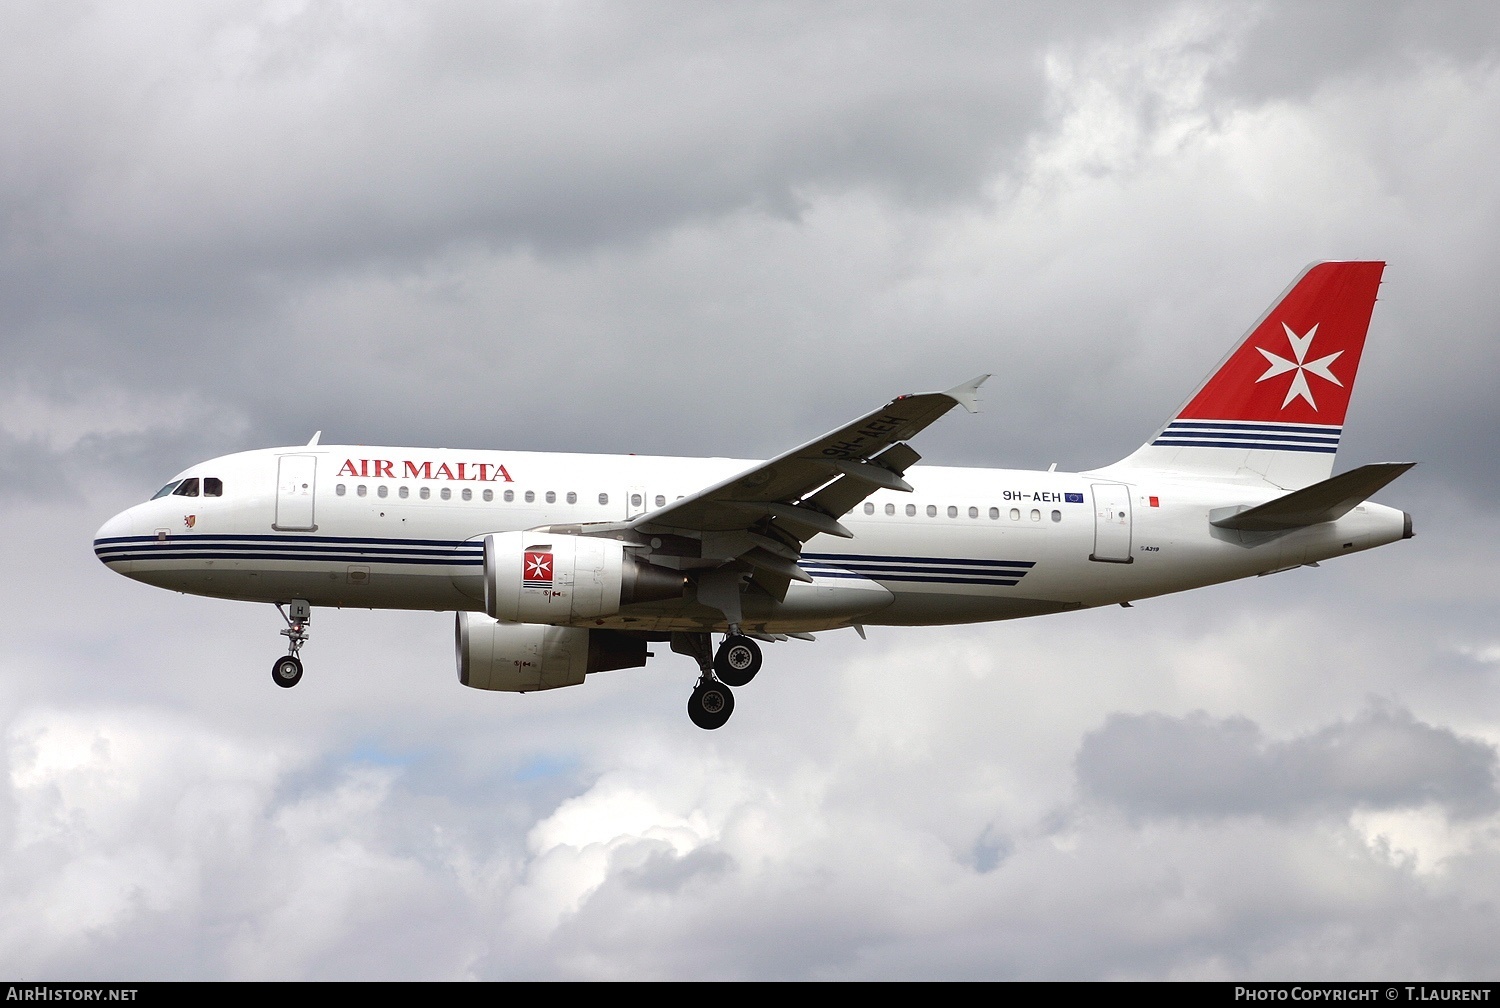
[{"x": 287, "y": 671}]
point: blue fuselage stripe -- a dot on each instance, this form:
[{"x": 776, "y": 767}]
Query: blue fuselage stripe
[
  {"x": 923, "y": 579},
  {"x": 919, "y": 570},
  {"x": 322, "y": 549},
  {"x": 1225, "y": 425},
  {"x": 1263, "y": 445},
  {"x": 847, "y": 558},
  {"x": 470, "y": 554}
]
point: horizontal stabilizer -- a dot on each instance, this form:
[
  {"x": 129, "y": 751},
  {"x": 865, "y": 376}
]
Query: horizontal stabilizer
[{"x": 1326, "y": 501}]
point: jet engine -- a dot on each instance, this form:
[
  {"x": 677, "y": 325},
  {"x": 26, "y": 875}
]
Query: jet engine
[
  {"x": 543, "y": 577},
  {"x": 522, "y": 657}
]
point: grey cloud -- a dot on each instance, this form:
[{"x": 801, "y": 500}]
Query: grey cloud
[
  {"x": 315, "y": 217},
  {"x": 31, "y": 470},
  {"x": 1292, "y": 49},
  {"x": 199, "y": 178},
  {"x": 991, "y": 849},
  {"x": 332, "y": 139},
  {"x": 1158, "y": 765},
  {"x": 664, "y": 870}
]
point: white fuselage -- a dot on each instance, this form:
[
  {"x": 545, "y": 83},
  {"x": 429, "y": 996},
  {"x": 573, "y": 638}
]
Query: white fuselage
[{"x": 404, "y": 528}]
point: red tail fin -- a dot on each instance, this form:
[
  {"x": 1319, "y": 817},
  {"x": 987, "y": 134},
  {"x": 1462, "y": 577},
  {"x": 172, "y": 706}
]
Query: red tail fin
[
  {"x": 1274, "y": 408},
  {"x": 1298, "y": 363}
]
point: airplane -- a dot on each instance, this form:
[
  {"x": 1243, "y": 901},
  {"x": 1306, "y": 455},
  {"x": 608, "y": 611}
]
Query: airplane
[{"x": 558, "y": 566}]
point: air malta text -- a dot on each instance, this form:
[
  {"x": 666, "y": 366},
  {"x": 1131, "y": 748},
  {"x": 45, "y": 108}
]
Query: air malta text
[{"x": 468, "y": 472}]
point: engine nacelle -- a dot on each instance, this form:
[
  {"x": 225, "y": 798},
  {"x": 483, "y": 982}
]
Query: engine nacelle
[
  {"x": 523, "y": 657},
  {"x": 543, "y": 577}
]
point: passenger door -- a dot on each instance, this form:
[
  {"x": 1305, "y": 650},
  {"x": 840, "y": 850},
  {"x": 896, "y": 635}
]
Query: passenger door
[
  {"x": 296, "y": 482},
  {"x": 1111, "y": 523}
]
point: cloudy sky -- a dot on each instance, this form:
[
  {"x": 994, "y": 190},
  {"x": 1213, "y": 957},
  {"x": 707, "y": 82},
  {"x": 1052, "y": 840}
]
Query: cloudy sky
[{"x": 721, "y": 230}]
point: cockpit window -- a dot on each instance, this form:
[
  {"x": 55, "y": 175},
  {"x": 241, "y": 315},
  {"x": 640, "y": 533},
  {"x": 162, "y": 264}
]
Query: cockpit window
[
  {"x": 187, "y": 488},
  {"x": 213, "y": 486},
  {"x": 166, "y": 489}
]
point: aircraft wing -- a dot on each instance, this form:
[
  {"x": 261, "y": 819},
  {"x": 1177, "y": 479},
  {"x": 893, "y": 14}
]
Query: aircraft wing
[{"x": 765, "y": 513}]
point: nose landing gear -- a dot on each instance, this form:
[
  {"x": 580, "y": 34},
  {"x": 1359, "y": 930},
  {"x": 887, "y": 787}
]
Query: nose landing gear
[{"x": 287, "y": 671}]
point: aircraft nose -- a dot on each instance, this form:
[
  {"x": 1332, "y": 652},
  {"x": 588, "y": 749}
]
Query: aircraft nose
[{"x": 108, "y": 541}]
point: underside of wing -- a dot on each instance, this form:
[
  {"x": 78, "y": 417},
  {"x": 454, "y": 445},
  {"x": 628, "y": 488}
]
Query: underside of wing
[
  {"x": 746, "y": 532},
  {"x": 763, "y": 515},
  {"x": 867, "y": 454}
]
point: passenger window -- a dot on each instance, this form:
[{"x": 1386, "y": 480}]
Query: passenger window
[
  {"x": 911, "y": 510},
  {"x": 952, "y": 511},
  {"x": 213, "y": 486},
  {"x": 869, "y": 508},
  {"x": 382, "y": 491},
  {"x": 530, "y": 496},
  {"x": 604, "y": 498},
  {"x": 661, "y": 501},
  {"x": 890, "y": 509},
  {"x": 489, "y": 494},
  {"x": 1015, "y": 514},
  {"x": 572, "y": 497},
  {"x": 973, "y": 512},
  {"x": 360, "y": 490},
  {"x": 1057, "y": 516},
  {"x": 404, "y": 493},
  {"x": 1036, "y": 515},
  {"x": 468, "y": 494},
  {"x": 932, "y": 510},
  {"x": 339, "y": 489},
  {"x": 635, "y": 500},
  {"x": 424, "y": 493},
  {"x": 994, "y": 513},
  {"x": 446, "y": 493},
  {"x": 551, "y": 497},
  {"x": 187, "y": 488},
  {"x": 510, "y": 495}
]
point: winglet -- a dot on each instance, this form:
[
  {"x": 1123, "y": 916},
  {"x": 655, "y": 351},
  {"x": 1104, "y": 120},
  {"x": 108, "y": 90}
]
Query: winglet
[{"x": 967, "y": 394}]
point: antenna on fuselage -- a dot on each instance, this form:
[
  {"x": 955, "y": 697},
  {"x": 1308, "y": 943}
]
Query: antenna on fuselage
[{"x": 314, "y": 439}]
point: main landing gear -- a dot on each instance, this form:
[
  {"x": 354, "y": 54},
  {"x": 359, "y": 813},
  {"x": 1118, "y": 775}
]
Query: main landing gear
[
  {"x": 734, "y": 664},
  {"x": 737, "y": 660},
  {"x": 287, "y": 671}
]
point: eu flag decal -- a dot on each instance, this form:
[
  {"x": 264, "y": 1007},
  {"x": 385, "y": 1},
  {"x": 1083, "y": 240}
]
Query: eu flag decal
[{"x": 1073, "y": 498}]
